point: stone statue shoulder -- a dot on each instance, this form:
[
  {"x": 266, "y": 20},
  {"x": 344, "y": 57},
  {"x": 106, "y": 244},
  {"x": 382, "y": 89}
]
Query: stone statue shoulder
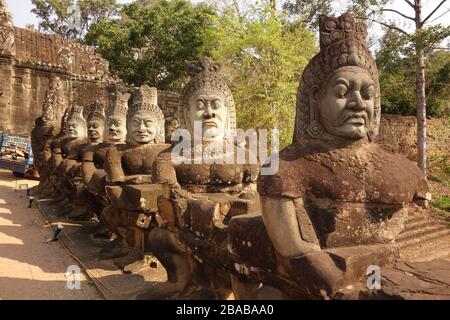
[
  {"x": 291, "y": 179},
  {"x": 74, "y": 149},
  {"x": 367, "y": 173}
]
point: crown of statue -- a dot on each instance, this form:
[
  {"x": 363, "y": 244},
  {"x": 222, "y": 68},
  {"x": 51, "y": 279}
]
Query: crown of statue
[
  {"x": 76, "y": 114},
  {"x": 97, "y": 111},
  {"x": 204, "y": 73},
  {"x": 334, "y": 30},
  {"x": 145, "y": 100},
  {"x": 119, "y": 105}
]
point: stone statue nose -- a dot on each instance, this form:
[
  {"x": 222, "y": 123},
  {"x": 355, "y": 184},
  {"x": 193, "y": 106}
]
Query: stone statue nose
[
  {"x": 356, "y": 102},
  {"x": 142, "y": 127},
  {"x": 209, "y": 113}
]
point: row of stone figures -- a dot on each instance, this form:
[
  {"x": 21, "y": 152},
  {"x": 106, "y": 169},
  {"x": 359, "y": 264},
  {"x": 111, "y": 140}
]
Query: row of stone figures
[{"x": 337, "y": 204}]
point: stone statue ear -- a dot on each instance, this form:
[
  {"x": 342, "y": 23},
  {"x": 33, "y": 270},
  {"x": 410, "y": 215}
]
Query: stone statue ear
[
  {"x": 315, "y": 128},
  {"x": 314, "y": 94}
]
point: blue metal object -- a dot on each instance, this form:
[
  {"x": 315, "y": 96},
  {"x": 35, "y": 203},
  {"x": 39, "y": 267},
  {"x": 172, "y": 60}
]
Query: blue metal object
[{"x": 15, "y": 165}]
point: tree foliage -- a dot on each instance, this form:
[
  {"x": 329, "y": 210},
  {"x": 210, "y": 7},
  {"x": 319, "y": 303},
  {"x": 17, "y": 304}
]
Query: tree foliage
[
  {"x": 307, "y": 11},
  {"x": 150, "y": 40},
  {"x": 264, "y": 55},
  {"x": 397, "y": 67},
  {"x": 69, "y": 19}
]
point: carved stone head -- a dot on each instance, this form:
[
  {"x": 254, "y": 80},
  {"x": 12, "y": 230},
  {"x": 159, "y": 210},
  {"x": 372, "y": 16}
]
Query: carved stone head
[
  {"x": 208, "y": 100},
  {"x": 76, "y": 125},
  {"x": 145, "y": 120},
  {"x": 339, "y": 93},
  {"x": 96, "y": 122},
  {"x": 116, "y": 118}
]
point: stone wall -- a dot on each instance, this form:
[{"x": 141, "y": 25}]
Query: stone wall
[
  {"x": 399, "y": 134},
  {"x": 28, "y": 59}
]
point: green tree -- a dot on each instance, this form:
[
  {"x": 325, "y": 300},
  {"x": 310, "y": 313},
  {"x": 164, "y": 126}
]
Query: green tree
[
  {"x": 70, "y": 19},
  {"x": 396, "y": 64},
  {"x": 307, "y": 11},
  {"x": 423, "y": 40},
  {"x": 263, "y": 55},
  {"x": 150, "y": 40}
]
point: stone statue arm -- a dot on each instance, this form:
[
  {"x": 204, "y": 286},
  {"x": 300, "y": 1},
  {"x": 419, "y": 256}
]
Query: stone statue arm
[
  {"x": 113, "y": 166},
  {"x": 164, "y": 171},
  {"x": 281, "y": 219},
  {"x": 294, "y": 238},
  {"x": 87, "y": 167},
  {"x": 71, "y": 162}
]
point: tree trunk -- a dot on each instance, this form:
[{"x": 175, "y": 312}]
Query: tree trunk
[
  {"x": 421, "y": 112},
  {"x": 421, "y": 103}
]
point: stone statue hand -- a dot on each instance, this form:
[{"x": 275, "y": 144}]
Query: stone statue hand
[
  {"x": 113, "y": 166},
  {"x": 88, "y": 156},
  {"x": 138, "y": 179}
]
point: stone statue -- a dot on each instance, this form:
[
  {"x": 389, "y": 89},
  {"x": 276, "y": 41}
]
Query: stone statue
[
  {"x": 337, "y": 205},
  {"x": 74, "y": 187},
  {"x": 129, "y": 169},
  {"x": 201, "y": 185},
  {"x": 44, "y": 132},
  {"x": 92, "y": 169},
  {"x": 73, "y": 133},
  {"x": 339, "y": 199}
]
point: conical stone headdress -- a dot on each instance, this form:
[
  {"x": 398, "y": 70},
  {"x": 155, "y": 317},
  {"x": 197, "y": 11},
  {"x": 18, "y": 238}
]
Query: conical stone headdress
[
  {"x": 65, "y": 120},
  {"x": 342, "y": 44},
  {"x": 205, "y": 75},
  {"x": 119, "y": 104},
  {"x": 97, "y": 111},
  {"x": 76, "y": 114}
]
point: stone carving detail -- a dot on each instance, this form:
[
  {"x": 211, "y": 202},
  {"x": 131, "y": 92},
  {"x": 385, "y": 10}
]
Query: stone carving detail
[
  {"x": 206, "y": 78},
  {"x": 45, "y": 130},
  {"x": 338, "y": 200},
  {"x": 202, "y": 193},
  {"x": 128, "y": 167},
  {"x": 342, "y": 45},
  {"x": 7, "y": 44}
]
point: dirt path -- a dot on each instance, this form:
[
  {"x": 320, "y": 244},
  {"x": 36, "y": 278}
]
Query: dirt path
[{"x": 30, "y": 268}]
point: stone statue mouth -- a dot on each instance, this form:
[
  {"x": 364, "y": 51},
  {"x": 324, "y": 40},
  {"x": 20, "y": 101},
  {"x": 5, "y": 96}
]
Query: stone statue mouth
[
  {"x": 355, "y": 119},
  {"x": 209, "y": 124}
]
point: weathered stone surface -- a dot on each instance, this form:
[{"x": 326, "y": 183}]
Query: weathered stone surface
[{"x": 28, "y": 61}]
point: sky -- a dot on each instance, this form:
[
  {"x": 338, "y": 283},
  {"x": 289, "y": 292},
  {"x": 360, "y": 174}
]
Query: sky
[{"x": 21, "y": 11}]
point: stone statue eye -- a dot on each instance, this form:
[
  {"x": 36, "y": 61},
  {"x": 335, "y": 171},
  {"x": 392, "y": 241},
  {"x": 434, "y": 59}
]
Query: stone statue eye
[
  {"x": 368, "y": 93},
  {"x": 216, "y": 104},
  {"x": 200, "y": 105},
  {"x": 149, "y": 122},
  {"x": 340, "y": 91}
]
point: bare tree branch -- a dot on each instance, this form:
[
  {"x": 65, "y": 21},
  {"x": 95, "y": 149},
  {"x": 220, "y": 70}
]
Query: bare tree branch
[
  {"x": 410, "y": 4},
  {"x": 398, "y": 12},
  {"x": 440, "y": 16},
  {"x": 432, "y": 12},
  {"x": 388, "y": 26}
]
